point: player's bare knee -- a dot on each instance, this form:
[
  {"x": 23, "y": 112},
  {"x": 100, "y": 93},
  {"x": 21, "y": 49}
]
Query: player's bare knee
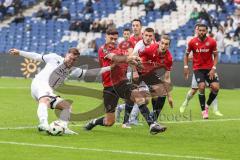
[
  {"x": 59, "y": 103},
  {"x": 201, "y": 87},
  {"x": 44, "y": 100},
  {"x": 65, "y": 104},
  {"x": 140, "y": 101},
  {"x": 215, "y": 87},
  {"x": 138, "y": 97}
]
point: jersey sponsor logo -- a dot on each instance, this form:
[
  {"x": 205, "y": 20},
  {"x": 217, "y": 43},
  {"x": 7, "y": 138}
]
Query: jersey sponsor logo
[{"x": 202, "y": 50}]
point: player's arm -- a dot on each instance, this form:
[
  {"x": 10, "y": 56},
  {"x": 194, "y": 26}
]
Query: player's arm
[
  {"x": 167, "y": 77},
  {"x": 134, "y": 60},
  {"x": 130, "y": 51},
  {"x": 190, "y": 57},
  {"x": 30, "y": 55},
  {"x": 185, "y": 61},
  {"x": 168, "y": 80},
  {"x": 82, "y": 73},
  {"x": 186, "y": 69},
  {"x": 131, "y": 48},
  {"x": 215, "y": 56},
  {"x": 133, "y": 51},
  {"x": 215, "y": 61}
]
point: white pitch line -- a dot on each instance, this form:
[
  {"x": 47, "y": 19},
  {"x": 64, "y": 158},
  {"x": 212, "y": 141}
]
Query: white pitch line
[
  {"x": 30, "y": 127},
  {"x": 171, "y": 122},
  {"x": 108, "y": 151},
  {"x": 2, "y": 87},
  {"x": 18, "y": 128},
  {"x": 202, "y": 120}
]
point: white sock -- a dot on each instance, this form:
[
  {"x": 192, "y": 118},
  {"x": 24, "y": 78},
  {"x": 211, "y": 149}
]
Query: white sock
[
  {"x": 42, "y": 113},
  {"x": 65, "y": 116},
  {"x": 189, "y": 96},
  {"x": 134, "y": 113},
  {"x": 215, "y": 105},
  {"x": 121, "y": 107}
]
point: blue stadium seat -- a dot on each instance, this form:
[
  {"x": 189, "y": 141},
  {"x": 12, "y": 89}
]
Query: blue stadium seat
[
  {"x": 234, "y": 58},
  {"x": 224, "y": 58}
]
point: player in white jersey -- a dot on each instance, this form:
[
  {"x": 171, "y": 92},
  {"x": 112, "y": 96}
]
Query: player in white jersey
[{"x": 51, "y": 77}]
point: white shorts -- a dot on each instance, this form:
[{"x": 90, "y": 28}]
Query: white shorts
[
  {"x": 194, "y": 82},
  {"x": 40, "y": 89}
]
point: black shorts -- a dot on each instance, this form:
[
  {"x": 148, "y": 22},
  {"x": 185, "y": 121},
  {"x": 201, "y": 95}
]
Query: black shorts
[
  {"x": 112, "y": 94},
  {"x": 152, "y": 78},
  {"x": 201, "y": 75},
  {"x": 110, "y": 99}
]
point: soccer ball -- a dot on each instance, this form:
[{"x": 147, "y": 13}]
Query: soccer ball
[{"x": 56, "y": 128}]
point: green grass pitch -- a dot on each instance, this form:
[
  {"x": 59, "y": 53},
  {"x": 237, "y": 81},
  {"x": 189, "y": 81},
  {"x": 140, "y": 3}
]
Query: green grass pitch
[{"x": 187, "y": 137}]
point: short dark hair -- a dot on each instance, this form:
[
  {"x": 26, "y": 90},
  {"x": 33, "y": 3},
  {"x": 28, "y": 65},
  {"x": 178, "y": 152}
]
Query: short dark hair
[
  {"x": 149, "y": 29},
  {"x": 202, "y": 25},
  {"x": 165, "y": 36},
  {"x": 137, "y": 20},
  {"x": 74, "y": 51},
  {"x": 111, "y": 31},
  {"x": 126, "y": 29},
  {"x": 196, "y": 25}
]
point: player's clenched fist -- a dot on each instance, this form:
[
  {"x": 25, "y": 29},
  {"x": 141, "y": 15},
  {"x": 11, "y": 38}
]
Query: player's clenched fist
[
  {"x": 134, "y": 60},
  {"x": 14, "y": 52}
]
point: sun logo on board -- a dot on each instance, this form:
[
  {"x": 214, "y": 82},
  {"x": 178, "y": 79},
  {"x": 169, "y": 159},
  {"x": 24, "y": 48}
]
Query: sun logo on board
[{"x": 29, "y": 67}]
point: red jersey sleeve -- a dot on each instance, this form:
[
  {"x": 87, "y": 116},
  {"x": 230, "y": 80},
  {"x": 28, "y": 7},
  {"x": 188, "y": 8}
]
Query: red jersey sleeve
[{"x": 189, "y": 47}]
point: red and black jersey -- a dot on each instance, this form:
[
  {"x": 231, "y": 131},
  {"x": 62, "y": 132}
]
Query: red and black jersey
[
  {"x": 118, "y": 71},
  {"x": 125, "y": 45},
  {"x": 164, "y": 59},
  {"x": 202, "y": 52},
  {"x": 152, "y": 58}
]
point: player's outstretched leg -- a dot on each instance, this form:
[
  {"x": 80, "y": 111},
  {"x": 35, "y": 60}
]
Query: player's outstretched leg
[
  {"x": 215, "y": 108},
  {"x": 141, "y": 99},
  {"x": 133, "y": 120},
  {"x": 42, "y": 113},
  {"x": 110, "y": 100},
  {"x": 157, "y": 105},
  {"x": 119, "y": 109},
  {"x": 189, "y": 96},
  {"x": 94, "y": 122},
  {"x": 128, "y": 109},
  {"x": 107, "y": 121},
  {"x": 154, "y": 127},
  {"x": 65, "y": 112}
]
